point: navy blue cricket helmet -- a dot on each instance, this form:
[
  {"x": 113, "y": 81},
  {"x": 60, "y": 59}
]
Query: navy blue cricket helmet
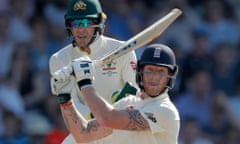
[{"x": 159, "y": 55}]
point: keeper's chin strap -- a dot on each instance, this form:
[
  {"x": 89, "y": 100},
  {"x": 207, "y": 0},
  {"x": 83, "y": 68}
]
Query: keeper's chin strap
[{"x": 94, "y": 37}]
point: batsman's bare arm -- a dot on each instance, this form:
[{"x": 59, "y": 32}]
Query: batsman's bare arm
[
  {"x": 82, "y": 130},
  {"x": 107, "y": 116}
]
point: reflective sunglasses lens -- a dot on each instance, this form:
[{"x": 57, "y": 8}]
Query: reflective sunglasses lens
[
  {"x": 81, "y": 22},
  {"x": 86, "y": 23}
]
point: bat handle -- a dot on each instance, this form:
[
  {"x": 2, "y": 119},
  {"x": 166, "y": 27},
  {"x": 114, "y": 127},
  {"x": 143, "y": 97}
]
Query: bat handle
[{"x": 177, "y": 10}]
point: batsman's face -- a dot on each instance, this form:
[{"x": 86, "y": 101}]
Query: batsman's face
[{"x": 155, "y": 79}]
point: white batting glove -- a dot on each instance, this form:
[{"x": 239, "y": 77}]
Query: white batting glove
[{"x": 83, "y": 70}]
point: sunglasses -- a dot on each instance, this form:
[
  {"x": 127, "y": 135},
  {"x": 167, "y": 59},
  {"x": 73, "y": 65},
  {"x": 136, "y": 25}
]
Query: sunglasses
[{"x": 82, "y": 22}]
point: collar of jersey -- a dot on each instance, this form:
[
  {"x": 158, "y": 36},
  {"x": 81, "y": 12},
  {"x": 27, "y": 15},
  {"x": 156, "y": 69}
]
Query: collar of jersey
[
  {"x": 161, "y": 97},
  {"x": 95, "y": 48}
]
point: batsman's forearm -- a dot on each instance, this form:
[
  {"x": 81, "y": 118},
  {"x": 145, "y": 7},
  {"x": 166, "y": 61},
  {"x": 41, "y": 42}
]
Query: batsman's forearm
[
  {"x": 100, "y": 108},
  {"x": 82, "y": 130},
  {"x": 74, "y": 121}
]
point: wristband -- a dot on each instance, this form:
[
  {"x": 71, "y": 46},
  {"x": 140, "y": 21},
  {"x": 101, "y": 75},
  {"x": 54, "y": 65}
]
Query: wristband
[
  {"x": 85, "y": 82},
  {"x": 64, "y": 98},
  {"x": 66, "y": 104}
]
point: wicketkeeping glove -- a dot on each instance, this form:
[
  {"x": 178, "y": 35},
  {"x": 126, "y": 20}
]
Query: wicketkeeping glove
[
  {"x": 60, "y": 78},
  {"x": 83, "y": 70},
  {"x": 63, "y": 74},
  {"x": 64, "y": 93}
]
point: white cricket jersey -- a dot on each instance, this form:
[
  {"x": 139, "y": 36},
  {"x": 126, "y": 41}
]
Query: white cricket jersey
[
  {"x": 162, "y": 116},
  {"x": 108, "y": 78}
]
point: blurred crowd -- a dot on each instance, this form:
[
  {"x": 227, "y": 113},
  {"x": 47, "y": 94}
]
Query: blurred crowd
[{"x": 205, "y": 39}]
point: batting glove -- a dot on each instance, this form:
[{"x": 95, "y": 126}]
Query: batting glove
[{"x": 83, "y": 70}]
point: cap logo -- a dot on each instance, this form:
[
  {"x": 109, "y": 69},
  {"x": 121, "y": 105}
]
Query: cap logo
[
  {"x": 79, "y": 5},
  {"x": 157, "y": 53}
]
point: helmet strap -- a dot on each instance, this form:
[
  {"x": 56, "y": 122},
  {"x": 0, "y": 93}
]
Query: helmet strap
[
  {"x": 95, "y": 36},
  {"x": 74, "y": 44}
]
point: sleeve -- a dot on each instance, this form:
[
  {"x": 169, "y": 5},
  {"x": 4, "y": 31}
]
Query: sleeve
[
  {"x": 125, "y": 102},
  {"x": 60, "y": 59},
  {"x": 54, "y": 64},
  {"x": 161, "y": 118},
  {"x": 128, "y": 70}
]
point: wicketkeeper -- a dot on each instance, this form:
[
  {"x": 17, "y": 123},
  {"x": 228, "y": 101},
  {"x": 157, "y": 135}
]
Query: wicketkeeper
[{"x": 85, "y": 22}]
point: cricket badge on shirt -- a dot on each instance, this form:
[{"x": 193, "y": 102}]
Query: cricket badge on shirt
[
  {"x": 109, "y": 69},
  {"x": 151, "y": 117}
]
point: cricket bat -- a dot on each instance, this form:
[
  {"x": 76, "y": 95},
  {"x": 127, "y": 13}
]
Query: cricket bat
[{"x": 144, "y": 37}]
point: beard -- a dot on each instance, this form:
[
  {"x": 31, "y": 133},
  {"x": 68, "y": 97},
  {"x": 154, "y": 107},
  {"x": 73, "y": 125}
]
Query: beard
[{"x": 154, "y": 89}]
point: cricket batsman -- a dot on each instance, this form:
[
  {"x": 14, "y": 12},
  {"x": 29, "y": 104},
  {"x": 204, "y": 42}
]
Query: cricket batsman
[{"x": 149, "y": 117}]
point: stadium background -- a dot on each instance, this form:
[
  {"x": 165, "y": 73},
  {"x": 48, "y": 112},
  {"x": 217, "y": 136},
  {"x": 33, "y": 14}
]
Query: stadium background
[{"x": 206, "y": 40}]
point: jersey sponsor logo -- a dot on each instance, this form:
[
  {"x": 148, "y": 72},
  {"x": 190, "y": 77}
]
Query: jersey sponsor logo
[
  {"x": 109, "y": 73},
  {"x": 109, "y": 69},
  {"x": 133, "y": 65},
  {"x": 151, "y": 117}
]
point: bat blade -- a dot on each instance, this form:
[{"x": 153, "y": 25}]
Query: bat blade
[{"x": 144, "y": 37}]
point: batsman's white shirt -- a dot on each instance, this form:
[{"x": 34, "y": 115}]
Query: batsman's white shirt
[
  {"x": 108, "y": 78},
  {"x": 162, "y": 116}
]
